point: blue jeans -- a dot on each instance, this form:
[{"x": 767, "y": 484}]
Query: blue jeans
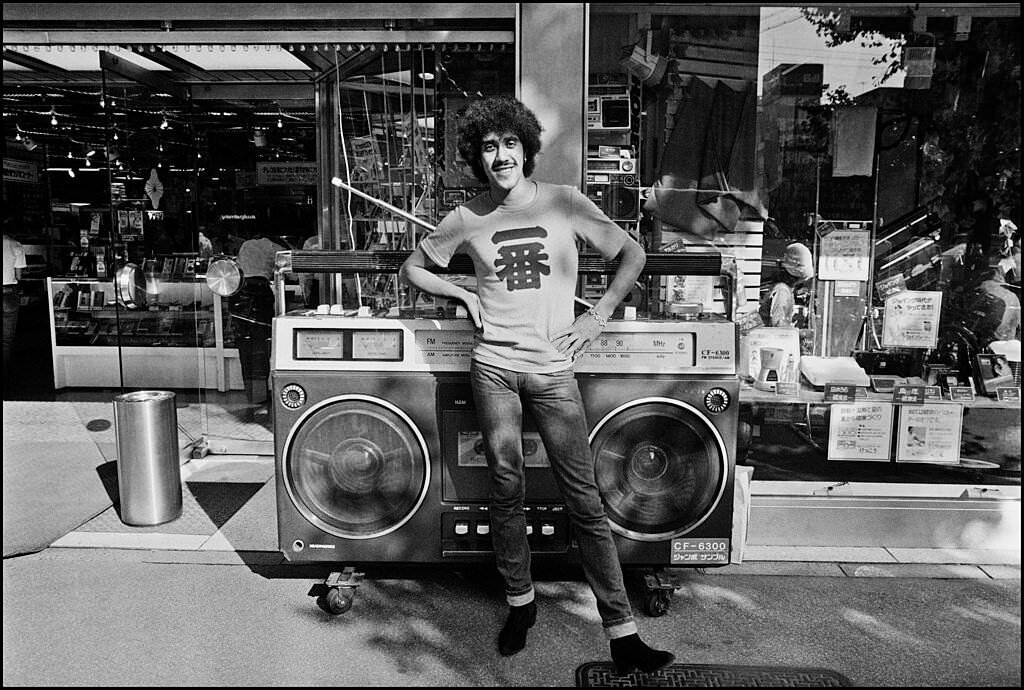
[{"x": 555, "y": 404}]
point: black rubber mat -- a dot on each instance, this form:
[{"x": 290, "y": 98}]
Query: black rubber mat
[{"x": 601, "y": 674}]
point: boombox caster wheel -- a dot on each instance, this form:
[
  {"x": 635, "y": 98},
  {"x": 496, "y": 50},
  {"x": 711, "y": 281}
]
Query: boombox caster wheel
[
  {"x": 660, "y": 585},
  {"x": 341, "y": 590}
]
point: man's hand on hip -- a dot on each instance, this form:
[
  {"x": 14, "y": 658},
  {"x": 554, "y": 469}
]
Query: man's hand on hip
[{"x": 574, "y": 340}]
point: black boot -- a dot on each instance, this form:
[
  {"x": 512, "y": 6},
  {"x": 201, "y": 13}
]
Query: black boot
[
  {"x": 630, "y": 653},
  {"x": 512, "y": 637}
]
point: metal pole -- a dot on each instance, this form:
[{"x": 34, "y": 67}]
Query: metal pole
[{"x": 338, "y": 182}]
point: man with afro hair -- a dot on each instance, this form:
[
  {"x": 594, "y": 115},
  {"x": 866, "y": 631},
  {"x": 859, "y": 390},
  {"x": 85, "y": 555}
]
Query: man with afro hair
[{"x": 522, "y": 237}]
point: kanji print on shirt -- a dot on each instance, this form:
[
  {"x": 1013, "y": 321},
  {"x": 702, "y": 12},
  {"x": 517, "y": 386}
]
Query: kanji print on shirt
[{"x": 522, "y": 264}]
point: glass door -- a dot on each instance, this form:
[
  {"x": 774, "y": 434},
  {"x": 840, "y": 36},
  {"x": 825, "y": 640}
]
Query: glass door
[{"x": 150, "y": 303}]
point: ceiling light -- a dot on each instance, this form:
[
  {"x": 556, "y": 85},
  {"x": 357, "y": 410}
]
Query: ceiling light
[{"x": 53, "y": 117}]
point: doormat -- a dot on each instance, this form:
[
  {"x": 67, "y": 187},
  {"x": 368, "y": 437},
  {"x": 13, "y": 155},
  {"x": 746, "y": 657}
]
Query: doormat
[{"x": 601, "y": 674}]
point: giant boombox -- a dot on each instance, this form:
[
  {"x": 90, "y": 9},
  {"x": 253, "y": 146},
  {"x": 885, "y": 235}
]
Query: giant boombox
[{"x": 379, "y": 456}]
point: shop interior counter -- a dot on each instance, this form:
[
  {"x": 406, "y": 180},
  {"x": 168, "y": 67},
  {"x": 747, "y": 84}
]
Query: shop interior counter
[{"x": 181, "y": 338}]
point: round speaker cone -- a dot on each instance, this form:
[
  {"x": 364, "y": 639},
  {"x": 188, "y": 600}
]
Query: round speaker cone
[
  {"x": 357, "y": 467},
  {"x": 660, "y": 470}
]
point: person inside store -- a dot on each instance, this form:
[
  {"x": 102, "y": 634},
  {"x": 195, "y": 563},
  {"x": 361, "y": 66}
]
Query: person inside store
[
  {"x": 308, "y": 282},
  {"x": 522, "y": 237},
  {"x": 252, "y": 311},
  {"x": 778, "y": 304},
  {"x": 14, "y": 263}
]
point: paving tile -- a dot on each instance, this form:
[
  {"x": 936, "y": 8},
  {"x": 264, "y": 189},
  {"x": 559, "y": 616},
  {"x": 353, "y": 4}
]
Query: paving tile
[
  {"x": 972, "y": 556},
  {"x": 929, "y": 570},
  {"x": 836, "y": 554},
  {"x": 819, "y": 569},
  {"x": 1002, "y": 572},
  {"x": 149, "y": 540}
]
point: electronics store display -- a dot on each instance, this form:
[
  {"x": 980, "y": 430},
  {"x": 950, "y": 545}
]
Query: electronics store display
[{"x": 157, "y": 329}]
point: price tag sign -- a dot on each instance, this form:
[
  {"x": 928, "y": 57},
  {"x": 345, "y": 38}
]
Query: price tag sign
[
  {"x": 840, "y": 392},
  {"x": 1007, "y": 394},
  {"x": 961, "y": 393},
  {"x": 908, "y": 394}
]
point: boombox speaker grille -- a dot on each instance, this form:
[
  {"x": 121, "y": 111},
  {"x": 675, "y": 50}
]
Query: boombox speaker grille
[
  {"x": 357, "y": 469},
  {"x": 660, "y": 469}
]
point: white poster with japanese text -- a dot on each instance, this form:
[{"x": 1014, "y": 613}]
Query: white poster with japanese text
[
  {"x": 930, "y": 433},
  {"x": 860, "y": 431},
  {"x": 911, "y": 319},
  {"x": 844, "y": 255}
]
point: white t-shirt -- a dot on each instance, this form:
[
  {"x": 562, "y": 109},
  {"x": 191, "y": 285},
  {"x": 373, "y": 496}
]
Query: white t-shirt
[
  {"x": 526, "y": 260},
  {"x": 256, "y": 257},
  {"x": 14, "y": 257}
]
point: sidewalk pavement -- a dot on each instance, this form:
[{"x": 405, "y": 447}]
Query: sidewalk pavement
[{"x": 207, "y": 599}]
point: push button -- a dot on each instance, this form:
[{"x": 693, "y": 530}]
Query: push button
[
  {"x": 461, "y": 527},
  {"x": 529, "y": 529},
  {"x": 547, "y": 529},
  {"x": 483, "y": 528}
]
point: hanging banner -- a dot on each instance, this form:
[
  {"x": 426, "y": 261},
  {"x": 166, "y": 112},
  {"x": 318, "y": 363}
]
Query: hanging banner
[
  {"x": 293, "y": 173},
  {"x": 930, "y": 433},
  {"x": 911, "y": 319},
  {"x": 860, "y": 431},
  {"x": 25, "y": 172}
]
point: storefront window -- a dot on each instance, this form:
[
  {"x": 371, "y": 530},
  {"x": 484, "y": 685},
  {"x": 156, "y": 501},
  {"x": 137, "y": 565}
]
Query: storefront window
[
  {"x": 396, "y": 154},
  {"x": 860, "y": 167}
]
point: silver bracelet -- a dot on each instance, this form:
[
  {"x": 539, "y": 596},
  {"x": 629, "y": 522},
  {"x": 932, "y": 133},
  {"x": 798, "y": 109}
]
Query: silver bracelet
[{"x": 601, "y": 321}]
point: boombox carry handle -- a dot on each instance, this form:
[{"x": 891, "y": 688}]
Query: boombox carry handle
[{"x": 354, "y": 261}]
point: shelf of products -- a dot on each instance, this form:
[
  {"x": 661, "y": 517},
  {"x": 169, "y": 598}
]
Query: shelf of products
[{"x": 181, "y": 339}]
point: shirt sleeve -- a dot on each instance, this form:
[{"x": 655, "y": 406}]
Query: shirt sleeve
[
  {"x": 442, "y": 244},
  {"x": 19, "y": 256},
  {"x": 591, "y": 224}
]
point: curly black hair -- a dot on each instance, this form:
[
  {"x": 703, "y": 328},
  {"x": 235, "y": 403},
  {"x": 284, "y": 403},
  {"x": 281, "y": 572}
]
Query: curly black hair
[{"x": 499, "y": 114}]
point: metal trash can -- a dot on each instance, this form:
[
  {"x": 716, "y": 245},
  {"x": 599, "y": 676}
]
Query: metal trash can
[{"x": 148, "y": 466}]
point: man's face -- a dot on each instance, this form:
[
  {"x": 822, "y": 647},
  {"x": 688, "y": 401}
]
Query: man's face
[{"x": 502, "y": 156}]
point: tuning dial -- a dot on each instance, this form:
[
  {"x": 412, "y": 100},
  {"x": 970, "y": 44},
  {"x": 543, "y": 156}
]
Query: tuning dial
[
  {"x": 293, "y": 396},
  {"x": 717, "y": 400}
]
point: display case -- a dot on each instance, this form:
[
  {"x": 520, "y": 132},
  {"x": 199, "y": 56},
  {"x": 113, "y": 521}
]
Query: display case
[{"x": 180, "y": 339}]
